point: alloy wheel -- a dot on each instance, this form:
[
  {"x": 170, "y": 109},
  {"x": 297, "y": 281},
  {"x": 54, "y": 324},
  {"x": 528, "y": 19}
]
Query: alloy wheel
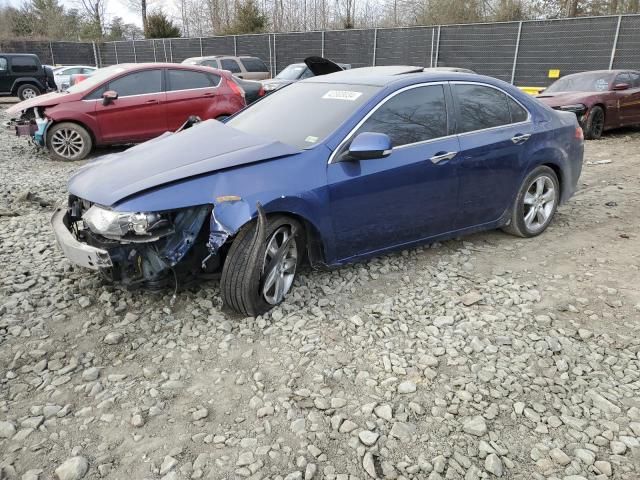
[
  {"x": 280, "y": 262},
  {"x": 67, "y": 143},
  {"x": 539, "y": 203},
  {"x": 597, "y": 123},
  {"x": 28, "y": 93}
]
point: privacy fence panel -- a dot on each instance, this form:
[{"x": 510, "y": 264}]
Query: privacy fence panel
[
  {"x": 145, "y": 51},
  {"x": 350, "y": 46},
  {"x": 571, "y": 46},
  {"x": 108, "y": 53},
  {"x": 488, "y": 49},
  {"x": 295, "y": 47},
  {"x": 41, "y": 49},
  {"x": 217, "y": 46},
  {"x": 257, "y": 45},
  {"x": 405, "y": 46},
  {"x": 70, "y": 53},
  {"x": 627, "y": 53}
]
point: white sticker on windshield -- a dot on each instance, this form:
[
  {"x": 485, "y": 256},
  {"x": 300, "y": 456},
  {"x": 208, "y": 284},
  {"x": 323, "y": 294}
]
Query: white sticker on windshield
[
  {"x": 311, "y": 139},
  {"x": 341, "y": 95},
  {"x": 602, "y": 84}
]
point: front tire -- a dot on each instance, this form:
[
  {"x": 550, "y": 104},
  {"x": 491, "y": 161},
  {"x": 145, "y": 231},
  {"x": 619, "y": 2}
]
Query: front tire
[
  {"x": 27, "y": 91},
  {"x": 254, "y": 287},
  {"x": 68, "y": 141},
  {"x": 536, "y": 203},
  {"x": 594, "y": 125}
]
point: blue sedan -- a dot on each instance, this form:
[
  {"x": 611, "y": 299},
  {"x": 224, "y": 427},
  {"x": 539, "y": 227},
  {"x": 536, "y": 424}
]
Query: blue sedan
[{"x": 330, "y": 170}]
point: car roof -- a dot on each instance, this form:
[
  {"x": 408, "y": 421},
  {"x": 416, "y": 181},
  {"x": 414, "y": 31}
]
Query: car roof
[
  {"x": 144, "y": 66},
  {"x": 18, "y": 55},
  {"x": 382, "y": 76}
]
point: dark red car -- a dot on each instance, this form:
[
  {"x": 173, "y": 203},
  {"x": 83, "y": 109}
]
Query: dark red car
[
  {"x": 601, "y": 100},
  {"x": 126, "y": 103}
]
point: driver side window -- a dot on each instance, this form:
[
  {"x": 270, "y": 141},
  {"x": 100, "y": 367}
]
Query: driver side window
[
  {"x": 415, "y": 115},
  {"x": 137, "y": 83}
]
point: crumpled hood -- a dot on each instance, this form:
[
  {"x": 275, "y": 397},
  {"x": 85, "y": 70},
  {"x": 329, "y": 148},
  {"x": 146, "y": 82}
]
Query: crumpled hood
[
  {"x": 46, "y": 100},
  {"x": 204, "y": 148},
  {"x": 558, "y": 99}
]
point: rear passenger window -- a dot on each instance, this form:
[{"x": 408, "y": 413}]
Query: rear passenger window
[
  {"x": 481, "y": 107},
  {"x": 231, "y": 65},
  {"x": 24, "y": 65},
  {"x": 254, "y": 65},
  {"x": 415, "y": 115},
  {"x": 188, "y": 80},
  {"x": 138, "y": 83},
  {"x": 518, "y": 113}
]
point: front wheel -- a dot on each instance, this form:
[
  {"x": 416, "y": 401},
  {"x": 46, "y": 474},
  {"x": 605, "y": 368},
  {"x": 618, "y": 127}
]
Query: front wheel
[
  {"x": 535, "y": 204},
  {"x": 594, "y": 124},
  {"x": 253, "y": 285},
  {"x": 28, "y": 91},
  {"x": 68, "y": 141}
]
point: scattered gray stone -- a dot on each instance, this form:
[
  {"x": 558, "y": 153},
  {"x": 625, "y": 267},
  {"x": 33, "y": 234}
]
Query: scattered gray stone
[{"x": 73, "y": 468}]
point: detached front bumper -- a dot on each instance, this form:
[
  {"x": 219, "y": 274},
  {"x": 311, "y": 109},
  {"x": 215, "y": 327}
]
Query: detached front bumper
[{"x": 79, "y": 253}]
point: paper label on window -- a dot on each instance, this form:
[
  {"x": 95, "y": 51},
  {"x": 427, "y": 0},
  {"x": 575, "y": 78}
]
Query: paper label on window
[
  {"x": 602, "y": 84},
  {"x": 341, "y": 95}
]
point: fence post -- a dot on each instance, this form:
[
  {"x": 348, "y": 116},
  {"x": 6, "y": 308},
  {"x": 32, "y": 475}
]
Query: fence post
[
  {"x": 135, "y": 57},
  {"x": 153, "y": 45},
  {"x": 115, "y": 49},
  {"x": 375, "y": 45},
  {"x": 433, "y": 36},
  {"x": 201, "y": 54},
  {"x": 164, "y": 48},
  {"x": 270, "y": 57},
  {"x": 235, "y": 45},
  {"x": 322, "y": 45},
  {"x": 515, "y": 55},
  {"x": 170, "y": 51},
  {"x": 275, "y": 56},
  {"x": 95, "y": 54},
  {"x": 615, "y": 42},
  {"x": 53, "y": 60},
  {"x": 437, "y": 47}
]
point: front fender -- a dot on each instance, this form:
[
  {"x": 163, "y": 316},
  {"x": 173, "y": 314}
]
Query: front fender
[{"x": 60, "y": 113}]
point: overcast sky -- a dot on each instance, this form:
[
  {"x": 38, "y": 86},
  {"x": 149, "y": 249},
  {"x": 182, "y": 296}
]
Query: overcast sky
[{"x": 115, "y": 8}]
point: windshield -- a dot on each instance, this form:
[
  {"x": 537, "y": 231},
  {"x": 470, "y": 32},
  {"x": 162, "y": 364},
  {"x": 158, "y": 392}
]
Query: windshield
[
  {"x": 583, "y": 82},
  {"x": 95, "y": 79},
  {"x": 303, "y": 114},
  {"x": 292, "y": 72}
]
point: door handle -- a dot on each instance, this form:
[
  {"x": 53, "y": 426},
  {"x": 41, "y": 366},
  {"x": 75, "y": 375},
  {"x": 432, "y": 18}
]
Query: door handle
[
  {"x": 439, "y": 157},
  {"x": 152, "y": 101},
  {"x": 520, "y": 138}
]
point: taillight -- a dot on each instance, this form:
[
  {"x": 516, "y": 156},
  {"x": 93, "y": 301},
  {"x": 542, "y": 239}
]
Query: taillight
[
  {"x": 261, "y": 92},
  {"x": 237, "y": 89},
  {"x": 579, "y": 133}
]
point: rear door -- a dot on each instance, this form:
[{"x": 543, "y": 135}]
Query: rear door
[
  {"x": 494, "y": 132},
  {"x": 190, "y": 92},
  {"x": 232, "y": 66},
  {"x": 629, "y": 100},
  {"x": 5, "y": 78},
  {"x": 139, "y": 112},
  {"x": 254, "y": 69}
]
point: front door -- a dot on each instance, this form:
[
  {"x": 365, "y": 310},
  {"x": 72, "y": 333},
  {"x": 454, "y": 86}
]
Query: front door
[
  {"x": 409, "y": 195},
  {"x": 494, "y": 131},
  {"x": 139, "y": 112}
]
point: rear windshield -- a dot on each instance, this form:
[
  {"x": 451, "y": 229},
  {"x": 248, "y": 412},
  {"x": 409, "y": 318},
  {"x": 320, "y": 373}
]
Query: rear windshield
[
  {"x": 303, "y": 114},
  {"x": 96, "y": 79},
  {"x": 583, "y": 82}
]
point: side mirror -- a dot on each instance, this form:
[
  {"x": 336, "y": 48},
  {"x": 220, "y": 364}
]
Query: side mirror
[
  {"x": 109, "y": 96},
  {"x": 368, "y": 146},
  {"x": 621, "y": 86}
]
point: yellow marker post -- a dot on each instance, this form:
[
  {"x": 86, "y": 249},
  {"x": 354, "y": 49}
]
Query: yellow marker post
[{"x": 554, "y": 73}]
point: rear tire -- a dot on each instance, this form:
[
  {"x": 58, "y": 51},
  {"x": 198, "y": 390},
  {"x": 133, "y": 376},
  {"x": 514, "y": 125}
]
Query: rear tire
[
  {"x": 247, "y": 290},
  {"x": 28, "y": 90},
  {"x": 536, "y": 203},
  {"x": 594, "y": 125},
  {"x": 68, "y": 141}
]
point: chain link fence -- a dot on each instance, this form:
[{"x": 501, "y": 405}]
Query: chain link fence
[{"x": 517, "y": 52}]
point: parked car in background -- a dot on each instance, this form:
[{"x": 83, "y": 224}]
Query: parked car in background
[
  {"x": 126, "y": 103},
  {"x": 248, "y": 68},
  {"x": 63, "y": 75},
  {"x": 332, "y": 169},
  {"x": 78, "y": 77},
  {"x": 311, "y": 67},
  {"x": 602, "y": 99},
  {"x": 449, "y": 69},
  {"x": 253, "y": 90},
  {"x": 23, "y": 76}
]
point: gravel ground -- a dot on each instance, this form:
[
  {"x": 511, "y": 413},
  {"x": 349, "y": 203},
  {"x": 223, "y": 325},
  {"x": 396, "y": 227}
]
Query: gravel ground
[{"x": 489, "y": 356}]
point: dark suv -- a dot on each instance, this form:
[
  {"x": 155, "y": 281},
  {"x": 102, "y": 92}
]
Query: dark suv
[{"x": 22, "y": 75}]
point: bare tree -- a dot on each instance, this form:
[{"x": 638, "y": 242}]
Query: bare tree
[{"x": 95, "y": 10}]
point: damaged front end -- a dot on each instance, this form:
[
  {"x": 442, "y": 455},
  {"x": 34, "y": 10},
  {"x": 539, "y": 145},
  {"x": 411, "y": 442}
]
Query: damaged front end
[
  {"x": 147, "y": 249},
  {"x": 33, "y": 123}
]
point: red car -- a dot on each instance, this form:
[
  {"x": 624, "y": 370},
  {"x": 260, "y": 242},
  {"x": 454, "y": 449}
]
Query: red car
[
  {"x": 126, "y": 103},
  {"x": 601, "y": 100}
]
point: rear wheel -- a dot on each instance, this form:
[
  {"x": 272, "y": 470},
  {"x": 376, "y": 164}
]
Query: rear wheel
[
  {"x": 535, "y": 204},
  {"x": 252, "y": 286},
  {"x": 28, "y": 91},
  {"x": 68, "y": 141},
  {"x": 594, "y": 125}
]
